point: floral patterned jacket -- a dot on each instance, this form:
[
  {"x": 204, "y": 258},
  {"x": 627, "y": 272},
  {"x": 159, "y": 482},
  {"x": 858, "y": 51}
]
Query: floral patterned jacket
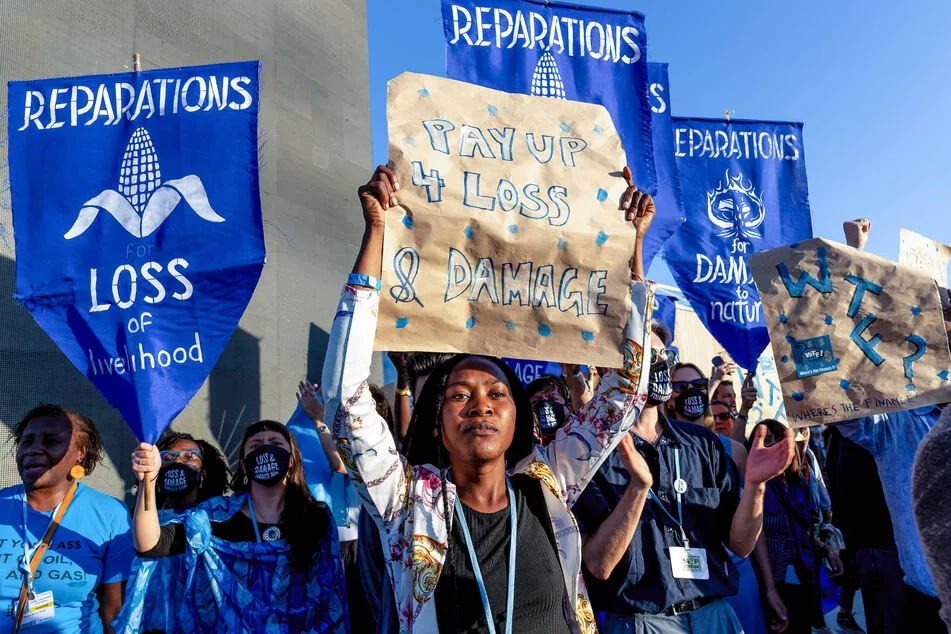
[{"x": 404, "y": 499}]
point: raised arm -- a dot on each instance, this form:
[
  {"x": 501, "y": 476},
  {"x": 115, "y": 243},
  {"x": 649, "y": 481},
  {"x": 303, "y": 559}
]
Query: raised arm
[
  {"x": 364, "y": 441},
  {"x": 307, "y": 396},
  {"x": 592, "y": 432},
  {"x": 146, "y": 531}
]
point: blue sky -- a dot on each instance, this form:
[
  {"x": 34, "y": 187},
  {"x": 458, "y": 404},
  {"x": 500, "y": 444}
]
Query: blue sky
[{"x": 869, "y": 81}]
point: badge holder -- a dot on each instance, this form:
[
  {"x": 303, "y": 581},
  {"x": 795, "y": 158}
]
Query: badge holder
[
  {"x": 685, "y": 562},
  {"x": 33, "y": 608}
]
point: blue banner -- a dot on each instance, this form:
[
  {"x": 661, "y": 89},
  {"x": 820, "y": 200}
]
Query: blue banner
[
  {"x": 665, "y": 311},
  {"x": 561, "y": 51},
  {"x": 138, "y": 225},
  {"x": 528, "y": 370},
  {"x": 670, "y": 215},
  {"x": 744, "y": 190}
]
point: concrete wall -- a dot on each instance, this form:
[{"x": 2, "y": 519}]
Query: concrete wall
[{"x": 315, "y": 144}]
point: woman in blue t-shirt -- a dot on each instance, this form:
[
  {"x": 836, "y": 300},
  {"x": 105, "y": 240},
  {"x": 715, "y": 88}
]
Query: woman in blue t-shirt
[{"x": 76, "y": 583}]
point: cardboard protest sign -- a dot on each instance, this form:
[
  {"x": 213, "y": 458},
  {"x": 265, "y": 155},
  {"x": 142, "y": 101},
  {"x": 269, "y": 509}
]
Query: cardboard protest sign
[
  {"x": 853, "y": 334},
  {"x": 508, "y": 240},
  {"x": 924, "y": 254},
  {"x": 138, "y": 225},
  {"x": 562, "y": 51}
]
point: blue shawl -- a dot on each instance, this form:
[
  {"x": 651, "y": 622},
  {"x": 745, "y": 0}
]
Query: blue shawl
[{"x": 235, "y": 587}]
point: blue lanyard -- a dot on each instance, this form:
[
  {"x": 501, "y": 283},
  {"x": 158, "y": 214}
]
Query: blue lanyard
[
  {"x": 513, "y": 536},
  {"x": 680, "y": 510},
  {"x": 254, "y": 520}
]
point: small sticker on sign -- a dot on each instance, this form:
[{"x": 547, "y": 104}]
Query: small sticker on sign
[{"x": 814, "y": 356}]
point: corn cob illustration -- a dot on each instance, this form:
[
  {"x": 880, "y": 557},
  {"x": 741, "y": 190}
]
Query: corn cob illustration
[
  {"x": 140, "y": 174},
  {"x": 546, "y": 80},
  {"x": 143, "y": 202}
]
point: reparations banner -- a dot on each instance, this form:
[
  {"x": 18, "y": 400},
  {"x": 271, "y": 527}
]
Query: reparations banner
[
  {"x": 508, "y": 240},
  {"x": 670, "y": 215},
  {"x": 853, "y": 333},
  {"x": 744, "y": 190},
  {"x": 561, "y": 51},
  {"x": 138, "y": 225}
]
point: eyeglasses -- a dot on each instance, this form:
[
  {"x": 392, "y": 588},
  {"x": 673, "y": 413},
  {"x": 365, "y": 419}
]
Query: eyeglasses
[
  {"x": 725, "y": 416},
  {"x": 680, "y": 386},
  {"x": 186, "y": 455},
  {"x": 666, "y": 354}
]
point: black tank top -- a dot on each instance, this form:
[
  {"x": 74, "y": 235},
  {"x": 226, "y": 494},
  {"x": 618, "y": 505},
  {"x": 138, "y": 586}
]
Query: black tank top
[{"x": 539, "y": 583}]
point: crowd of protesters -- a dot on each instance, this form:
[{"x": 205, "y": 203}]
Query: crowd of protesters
[{"x": 634, "y": 499}]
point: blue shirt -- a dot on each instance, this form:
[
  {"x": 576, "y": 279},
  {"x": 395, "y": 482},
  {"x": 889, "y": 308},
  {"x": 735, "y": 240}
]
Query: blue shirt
[
  {"x": 643, "y": 580},
  {"x": 892, "y": 439},
  {"x": 93, "y": 545}
]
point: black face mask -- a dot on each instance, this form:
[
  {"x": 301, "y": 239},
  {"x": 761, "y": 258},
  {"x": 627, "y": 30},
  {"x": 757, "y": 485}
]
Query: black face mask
[
  {"x": 179, "y": 479},
  {"x": 691, "y": 404},
  {"x": 659, "y": 387},
  {"x": 267, "y": 464},
  {"x": 551, "y": 415}
]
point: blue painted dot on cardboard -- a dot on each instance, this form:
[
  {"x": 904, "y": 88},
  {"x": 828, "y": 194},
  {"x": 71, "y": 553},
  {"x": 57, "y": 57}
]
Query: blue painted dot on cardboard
[
  {"x": 513, "y": 228},
  {"x": 783, "y": 318},
  {"x": 408, "y": 222},
  {"x": 423, "y": 92},
  {"x": 562, "y": 244},
  {"x": 598, "y": 130},
  {"x": 544, "y": 330},
  {"x": 601, "y": 238},
  {"x": 844, "y": 384},
  {"x": 587, "y": 335},
  {"x": 409, "y": 141},
  {"x": 790, "y": 340},
  {"x": 402, "y": 322},
  {"x": 492, "y": 110},
  {"x": 915, "y": 310},
  {"x": 565, "y": 127},
  {"x": 468, "y": 232},
  {"x": 510, "y": 325},
  {"x": 470, "y": 323},
  {"x": 784, "y": 359},
  {"x": 828, "y": 320},
  {"x": 797, "y": 396},
  {"x": 943, "y": 375},
  {"x": 602, "y": 194}
]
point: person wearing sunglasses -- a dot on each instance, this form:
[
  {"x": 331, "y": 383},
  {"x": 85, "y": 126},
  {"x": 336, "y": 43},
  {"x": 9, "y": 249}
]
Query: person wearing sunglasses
[
  {"x": 266, "y": 559},
  {"x": 688, "y": 398},
  {"x": 724, "y": 418},
  {"x": 192, "y": 471}
]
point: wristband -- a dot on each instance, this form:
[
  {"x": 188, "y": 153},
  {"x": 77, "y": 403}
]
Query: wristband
[
  {"x": 404, "y": 392},
  {"x": 358, "y": 279}
]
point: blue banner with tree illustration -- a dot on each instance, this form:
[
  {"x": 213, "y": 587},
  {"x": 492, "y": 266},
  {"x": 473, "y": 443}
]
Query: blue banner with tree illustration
[
  {"x": 562, "y": 51},
  {"x": 138, "y": 227},
  {"x": 744, "y": 190}
]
